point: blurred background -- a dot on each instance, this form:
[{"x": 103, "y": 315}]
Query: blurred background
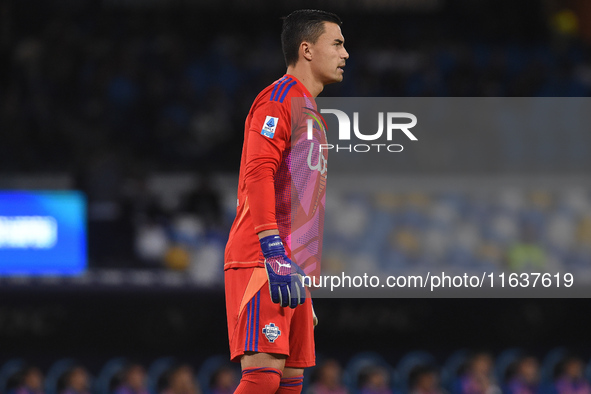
[{"x": 121, "y": 124}]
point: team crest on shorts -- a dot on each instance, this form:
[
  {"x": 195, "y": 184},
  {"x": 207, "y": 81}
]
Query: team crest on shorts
[{"x": 272, "y": 332}]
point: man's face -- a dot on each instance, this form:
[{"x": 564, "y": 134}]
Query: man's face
[
  {"x": 329, "y": 54},
  {"x": 136, "y": 377},
  {"x": 79, "y": 379},
  {"x": 34, "y": 379}
]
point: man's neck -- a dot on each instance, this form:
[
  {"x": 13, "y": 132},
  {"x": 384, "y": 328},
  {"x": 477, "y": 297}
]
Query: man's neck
[{"x": 314, "y": 86}]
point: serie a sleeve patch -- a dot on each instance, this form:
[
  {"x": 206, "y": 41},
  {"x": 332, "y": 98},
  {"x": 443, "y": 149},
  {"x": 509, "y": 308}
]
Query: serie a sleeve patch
[{"x": 269, "y": 126}]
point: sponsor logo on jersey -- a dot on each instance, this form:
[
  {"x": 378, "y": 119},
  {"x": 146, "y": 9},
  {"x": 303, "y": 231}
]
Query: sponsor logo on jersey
[
  {"x": 271, "y": 332},
  {"x": 269, "y": 126}
]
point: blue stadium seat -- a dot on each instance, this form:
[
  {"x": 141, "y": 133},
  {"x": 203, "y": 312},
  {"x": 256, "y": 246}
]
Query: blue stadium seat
[
  {"x": 588, "y": 371},
  {"x": 408, "y": 363},
  {"x": 156, "y": 370},
  {"x": 55, "y": 372},
  {"x": 107, "y": 373},
  {"x": 550, "y": 362},
  {"x": 504, "y": 360},
  {"x": 449, "y": 372},
  {"x": 365, "y": 360},
  {"x": 8, "y": 370},
  {"x": 210, "y": 366},
  {"x": 320, "y": 359}
]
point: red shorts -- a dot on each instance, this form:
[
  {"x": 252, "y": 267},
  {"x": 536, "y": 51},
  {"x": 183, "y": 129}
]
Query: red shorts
[{"x": 256, "y": 324}]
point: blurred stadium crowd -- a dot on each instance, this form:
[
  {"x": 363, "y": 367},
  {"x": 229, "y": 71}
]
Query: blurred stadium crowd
[
  {"x": 512, "y": 229},
  {"x": 146, "y": 87},
  {"x": 512, "y": 371},
  {"x": 112, "y": 97}
]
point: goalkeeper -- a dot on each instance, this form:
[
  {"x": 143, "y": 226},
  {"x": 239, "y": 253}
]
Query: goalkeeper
[{"x": 270, "y": 316}]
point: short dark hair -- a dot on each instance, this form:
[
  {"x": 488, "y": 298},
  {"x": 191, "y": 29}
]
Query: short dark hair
[{"x": 300, "y": 26}]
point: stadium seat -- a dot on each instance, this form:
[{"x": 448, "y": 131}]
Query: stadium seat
[
  {"x": 107, "y": 374},
  {"x": 8, "y": 370},
  {"x": 504, "y": 360},
  {"x": 406, "y": 365},
  {"x": 549, "y": 363},
  {"x": 310, "y": 373},
  {"x": 588, "y": 371},
  {"x": 364, "y": 360},
  {"x": 157, "y": 369},
  {"x": 451, "y": 367},
  {"x": 55, "y": 372},
  {"x": 209, "y": 367}
]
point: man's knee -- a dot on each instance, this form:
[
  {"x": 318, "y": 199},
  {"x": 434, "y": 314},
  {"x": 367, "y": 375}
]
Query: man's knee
[
  {"x": 292, "y": 372},
  {"x": 261, "y": 380},
  {"x": 261, "y": 373}
]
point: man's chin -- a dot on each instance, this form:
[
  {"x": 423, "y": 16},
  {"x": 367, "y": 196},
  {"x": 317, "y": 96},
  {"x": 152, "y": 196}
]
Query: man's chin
[{"x": 336, "y": 79}]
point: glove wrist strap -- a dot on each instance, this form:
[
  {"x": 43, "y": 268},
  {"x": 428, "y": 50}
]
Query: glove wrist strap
[{"x": 272, "y": 245}]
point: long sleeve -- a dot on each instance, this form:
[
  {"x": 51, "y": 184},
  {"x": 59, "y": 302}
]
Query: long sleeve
[{"x": 268, "y": 137}]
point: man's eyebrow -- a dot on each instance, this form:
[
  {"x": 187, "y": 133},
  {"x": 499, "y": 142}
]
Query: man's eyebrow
[{"x": 339, "y": 41}]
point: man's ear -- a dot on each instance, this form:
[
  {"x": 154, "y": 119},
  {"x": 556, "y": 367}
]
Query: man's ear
[{"x": 306, "y": 50}]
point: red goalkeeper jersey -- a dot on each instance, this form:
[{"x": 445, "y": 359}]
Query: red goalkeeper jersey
[{"x": 282, "y": 178}]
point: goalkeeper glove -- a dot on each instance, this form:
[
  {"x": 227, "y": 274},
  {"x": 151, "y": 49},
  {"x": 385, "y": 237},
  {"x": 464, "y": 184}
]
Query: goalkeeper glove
[{"x": 285, "y": 277}]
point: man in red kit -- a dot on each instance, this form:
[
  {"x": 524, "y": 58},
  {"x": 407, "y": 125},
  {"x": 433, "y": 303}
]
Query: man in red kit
[{"x": 276, "y": 236}]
